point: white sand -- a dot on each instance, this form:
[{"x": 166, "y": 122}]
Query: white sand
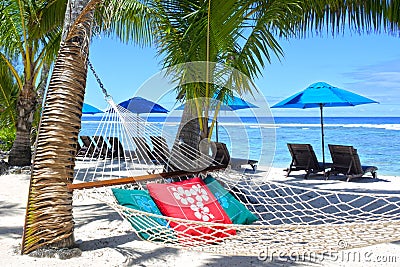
[{"x": 106, "y": 240}]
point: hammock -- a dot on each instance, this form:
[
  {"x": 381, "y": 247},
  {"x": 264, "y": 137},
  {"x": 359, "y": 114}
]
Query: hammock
[
  {"x": 278, "y": 218},
  {"x": 281, "y": 218}
]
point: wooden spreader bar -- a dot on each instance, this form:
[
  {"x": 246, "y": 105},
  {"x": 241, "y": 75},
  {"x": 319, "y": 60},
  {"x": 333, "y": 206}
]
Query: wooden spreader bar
[{"x": 146, "y": 177}]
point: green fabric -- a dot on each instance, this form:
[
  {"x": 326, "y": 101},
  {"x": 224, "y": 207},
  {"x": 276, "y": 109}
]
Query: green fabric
[
  {"x": 237, "y": 212},
  {"x": 146, "y": 226}
]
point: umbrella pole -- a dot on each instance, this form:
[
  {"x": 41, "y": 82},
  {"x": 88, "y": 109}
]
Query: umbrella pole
[
  {"x": 216, "y": 130},
  {"x": 322, "y": 137}
]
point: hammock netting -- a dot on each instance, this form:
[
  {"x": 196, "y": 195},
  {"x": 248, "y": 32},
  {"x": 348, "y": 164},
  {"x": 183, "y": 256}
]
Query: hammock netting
[{"x": 290, "y": 219}]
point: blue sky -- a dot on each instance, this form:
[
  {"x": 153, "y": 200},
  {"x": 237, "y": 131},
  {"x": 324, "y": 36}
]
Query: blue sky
[{"x": 368, "y": 65}]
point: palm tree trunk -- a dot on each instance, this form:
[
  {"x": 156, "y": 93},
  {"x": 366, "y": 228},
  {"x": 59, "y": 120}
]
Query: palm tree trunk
[
  {"x": 49, "y": 221},
  {"x": 44, "y": 76},
  {"x": 195, "y": 148},
  {"x": 20, "y": 154},
  {"x": 74, "y": 9},
  {"x": 189, "y": 128}
]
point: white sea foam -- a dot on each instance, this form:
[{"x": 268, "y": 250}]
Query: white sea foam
[
  {"x": 304, "y": 126},
  {"x": 376, "y": 126}
]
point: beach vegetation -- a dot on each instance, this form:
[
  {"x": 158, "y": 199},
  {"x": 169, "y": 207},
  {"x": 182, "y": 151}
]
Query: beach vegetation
[
  {"x": 30, "y": 38},
  {"x": 8, "y": 103},
  {"x": 7, "y": 137}
]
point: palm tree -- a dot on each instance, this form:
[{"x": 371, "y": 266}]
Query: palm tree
[
  {"x": 30, "y": 36},
  {"x": 238, "y": 35},
  {"x": 41, "y": 214},
  {"x": 234, "y": 34},
  {"x": 49, "y": 220},
  {"x": 243, "y": 35}
]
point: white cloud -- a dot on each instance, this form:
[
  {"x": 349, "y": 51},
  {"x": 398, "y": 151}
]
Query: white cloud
[{"x": 381, "y": 81}]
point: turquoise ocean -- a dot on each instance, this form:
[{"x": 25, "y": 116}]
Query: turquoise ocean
[{"x": 377, "y": 139}]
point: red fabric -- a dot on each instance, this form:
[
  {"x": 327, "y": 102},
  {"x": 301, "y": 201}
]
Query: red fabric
[{"x": 191, "y": 200}]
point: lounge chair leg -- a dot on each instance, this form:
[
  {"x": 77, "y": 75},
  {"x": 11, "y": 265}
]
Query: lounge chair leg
[
  {"x": 374, "y": 175},
  {"x": 254, "y": 167}
]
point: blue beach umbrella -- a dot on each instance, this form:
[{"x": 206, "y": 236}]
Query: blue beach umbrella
[
  {"x": 322, "y": 95},
  {"x": 233, "y": 103},
  {"x": 89, "y": 109},
  {"x": 140, "y": 105},
  {"x": 236, "y": 103}
]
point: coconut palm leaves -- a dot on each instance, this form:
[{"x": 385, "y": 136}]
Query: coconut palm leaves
[
  {"x": 131, "y": 21},
  {"x": 31, "y": 30},
  {"x": 243, "y": 34},
  {"x": 358, "y": 16},
  {"x": 8, "y": 97},
  {"x": 30, "y": 37},
  {"x": 237, "y": 35}
]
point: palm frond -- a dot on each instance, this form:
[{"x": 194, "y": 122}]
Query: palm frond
[
  {"x": 8, "y": 62},
  {"x": 49, "y": 18},
  {"x": 8, "y": 96},
  {"x": 11, "y": 28},
  {"x": 392, "y": 15},
  {"x": 49, "y": 51},
  {"x": 131, "y": 21},
  {"x": 358, "y": 16}
]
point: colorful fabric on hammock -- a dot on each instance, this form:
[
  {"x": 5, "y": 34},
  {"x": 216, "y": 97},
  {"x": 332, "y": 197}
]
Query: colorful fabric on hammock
[
  {"x": 146, "y": 226},
  {"x": 237, "y": 212},
  {"x": 191, "y": 200}
]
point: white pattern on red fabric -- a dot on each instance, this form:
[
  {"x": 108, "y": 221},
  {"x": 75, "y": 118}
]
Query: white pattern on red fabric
[{"x": 194, "y": 197}]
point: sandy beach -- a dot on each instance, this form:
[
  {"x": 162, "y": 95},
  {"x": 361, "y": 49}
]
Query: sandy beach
[{"x": 107, "y": 240}]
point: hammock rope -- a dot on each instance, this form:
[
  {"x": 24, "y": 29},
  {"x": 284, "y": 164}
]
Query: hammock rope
[
  {"x": 291, "y": 219},
  {"x": 103, "y": 89}
]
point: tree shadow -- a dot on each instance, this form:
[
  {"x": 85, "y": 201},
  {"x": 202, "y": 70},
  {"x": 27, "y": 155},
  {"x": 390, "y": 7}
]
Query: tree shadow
[
  {"x": 170, "y": 256},
  {"x": 319, "y": 181},
  {"x": 11, "y": 231},
  {"x": 107, "y": 242},
  {"x": 8, "y": 208},
  {"x": 94, "y": 212}
]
